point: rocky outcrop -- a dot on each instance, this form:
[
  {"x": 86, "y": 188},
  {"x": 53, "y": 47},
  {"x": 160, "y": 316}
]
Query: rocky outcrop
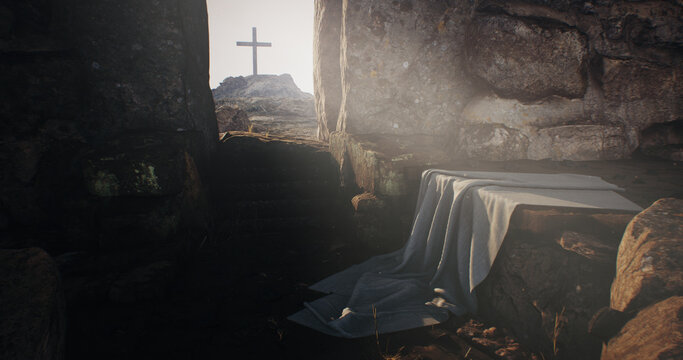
[
  {"x": 260, "y": 86},
  {"x": 32, "y": 309},
  {"x": 273, "y": 104},
  {"x": 648, "y": 266},
  {"x": 231, "y": 118}
]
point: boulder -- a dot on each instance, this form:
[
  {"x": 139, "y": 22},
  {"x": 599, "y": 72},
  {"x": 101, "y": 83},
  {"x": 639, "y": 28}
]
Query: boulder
[
  {"x": 649, "y": 265},
  {"x": 640, "y": 93},
  {"x": 231, "y": 118},
  {"x": 326, "y": 69},
  {"x": 527, "y": 116},
  {"x": 377, "y": 222},
  {"x": 527, "y": 60},
  {"x": 655, "y": 333},
  {"x": 580, "y": 143},
  {"x": 403, "y": 69},
  {"x": 637, "y": 29},
  {"x": 492, "y": 142},
  {"x": 32, "y": 309}
]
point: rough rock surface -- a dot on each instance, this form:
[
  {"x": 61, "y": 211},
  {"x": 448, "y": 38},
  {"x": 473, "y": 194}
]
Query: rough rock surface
[
  {"x": 580, "y": 143},
  {"x": 326, "y": 70},
  {"x": 78, "y": 75},
  {"x": 451, "y": 69},
  {"x": 641, "y": 94},
  {"x": 663, "y": 140},
  {"x": 269, "y": 86},
  {"x": 383, "y": 164},
  {"x": 525, "y": 60},
  {"x": 527, "y": 116},
  {"x": 655, "y": 333},
  {"x": 649, "y": 265},
  {"x": 32, "y": 309},
  {"x": 492, "y": 142},
  {"x": 546, "y": 291},
  {"x": 402, "y": 66},
  {"x": 144, "y": 187},
  {"x": 273, "y": 104},
  {"x": 231, "y": 118},
  {"x": 153, "y": 170}
]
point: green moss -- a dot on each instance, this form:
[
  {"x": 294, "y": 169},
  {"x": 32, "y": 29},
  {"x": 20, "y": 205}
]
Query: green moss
[
  {"x": 105, "y": 184},
  {"x": 146, "y": 181}
]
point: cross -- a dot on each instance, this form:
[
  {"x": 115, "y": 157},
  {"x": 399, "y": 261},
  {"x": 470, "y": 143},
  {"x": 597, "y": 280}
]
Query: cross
[{"x": 254, "y": 44}]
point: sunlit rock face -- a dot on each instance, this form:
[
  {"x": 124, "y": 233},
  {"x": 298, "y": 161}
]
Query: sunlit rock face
[
  {"x": 326, "y": 70},
  {"x": 521, "y": 59},
  {"x": 500, "y": 80},
  {"x": 403, "y": 69}
]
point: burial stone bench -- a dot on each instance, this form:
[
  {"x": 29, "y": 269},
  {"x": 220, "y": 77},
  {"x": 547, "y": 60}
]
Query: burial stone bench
[{"x": 552, "y": 274}]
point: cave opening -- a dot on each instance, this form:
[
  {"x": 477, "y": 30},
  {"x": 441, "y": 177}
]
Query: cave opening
[{"x": 266, "y": 88}]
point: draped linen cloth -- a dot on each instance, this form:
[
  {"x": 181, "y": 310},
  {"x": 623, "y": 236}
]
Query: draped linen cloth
[{"x": 460, "y": 222}]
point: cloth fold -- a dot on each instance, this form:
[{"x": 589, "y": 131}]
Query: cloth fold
[{"x": 460, "y": 221}]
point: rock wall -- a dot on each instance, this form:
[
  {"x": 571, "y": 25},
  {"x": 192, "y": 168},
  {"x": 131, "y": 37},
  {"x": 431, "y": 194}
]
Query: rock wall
[
  {"x": 82, "y": 79},
  {"x": 499, "y": 80}
]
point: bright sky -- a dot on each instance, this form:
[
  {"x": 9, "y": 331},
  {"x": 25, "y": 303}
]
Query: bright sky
[{"x": 287, "y": 24}]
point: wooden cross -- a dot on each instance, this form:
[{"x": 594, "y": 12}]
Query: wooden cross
[{"x": 254, "y": 44}]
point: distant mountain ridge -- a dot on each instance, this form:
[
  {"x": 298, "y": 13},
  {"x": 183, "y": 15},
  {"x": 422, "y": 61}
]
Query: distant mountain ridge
[{"x": 261, "y": 86}]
